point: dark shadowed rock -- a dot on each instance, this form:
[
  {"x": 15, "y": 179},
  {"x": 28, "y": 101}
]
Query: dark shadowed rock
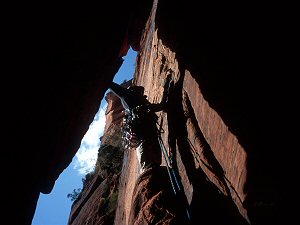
[{"x": 230, "y": 118}]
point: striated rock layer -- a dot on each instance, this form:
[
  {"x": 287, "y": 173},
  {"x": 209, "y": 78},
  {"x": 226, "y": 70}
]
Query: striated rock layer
[
  {"x": 96, "y": 203},
  {"x": 219, "y": 126},
  {"x": 229, "y": 125},
  {"x": 59, "y": 61}
]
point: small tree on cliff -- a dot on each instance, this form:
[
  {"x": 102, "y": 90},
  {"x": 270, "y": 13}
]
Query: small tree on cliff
[{"x": 75, "y": 194}]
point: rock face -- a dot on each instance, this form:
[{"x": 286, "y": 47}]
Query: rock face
[
  {"x": 228, "y": 125},
  {"x": 219, "y": 126},
  {"x": 59, "y": 62},
  {"x": 114, "y": 114},
  {"x": 96, "y": 204},
  {"x": 153, "y": 200}
]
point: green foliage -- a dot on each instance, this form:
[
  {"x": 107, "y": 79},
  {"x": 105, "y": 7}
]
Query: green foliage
[
  {"x": 76, "y": 194},
  {"x": 107, "y": 205},
  {"x": 112, "y": 201},
  {"x": 87, "y": 179},
  {"x": 109, "y": 161},
  {"x": 108, "y": 166},
  {"x": 110, "y": 154},
  {"x": 105, "y": 188},
  {"x": 113, "y": 137}
]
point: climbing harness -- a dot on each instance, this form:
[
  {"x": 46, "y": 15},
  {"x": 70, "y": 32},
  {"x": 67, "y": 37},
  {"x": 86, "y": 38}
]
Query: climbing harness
[
  {"x": 134, "y": 123},
  {"x": 140, "y": 124}
]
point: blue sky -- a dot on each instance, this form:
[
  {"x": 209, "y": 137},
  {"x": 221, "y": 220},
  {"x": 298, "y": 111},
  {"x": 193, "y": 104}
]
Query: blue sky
[{"x": 54, "y": 208}]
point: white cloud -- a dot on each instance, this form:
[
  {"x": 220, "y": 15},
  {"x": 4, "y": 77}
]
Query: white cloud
[{"x": 86, "y": 156}]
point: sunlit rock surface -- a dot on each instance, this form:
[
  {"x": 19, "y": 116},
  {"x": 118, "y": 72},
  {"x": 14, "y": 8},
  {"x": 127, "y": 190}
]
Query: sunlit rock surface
[
  {"x": 96, "y": 204},
  {"x": 220, "y": 122},
  {"x": 230, "y": 119},
  {"x": 59, "y": 62}
]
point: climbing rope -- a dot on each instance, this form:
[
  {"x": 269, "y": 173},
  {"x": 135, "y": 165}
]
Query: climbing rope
[
  {"x": 167, "y": 163},
  {"x": 171, "y": 172}
]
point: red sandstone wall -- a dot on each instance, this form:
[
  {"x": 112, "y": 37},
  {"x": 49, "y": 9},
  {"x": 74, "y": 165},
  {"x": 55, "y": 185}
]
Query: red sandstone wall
[
  {"x": 95, "y": 206},
  {"x": 129, "y": 176},
  {"x": 210, "y": 124},
  {"x": 155, "y": 62}
]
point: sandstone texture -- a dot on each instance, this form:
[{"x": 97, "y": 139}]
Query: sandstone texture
[
  {"x": 97, "y": 201},
  {"x": 218, "y": 126},
  {"x": 228, "y": 126}
]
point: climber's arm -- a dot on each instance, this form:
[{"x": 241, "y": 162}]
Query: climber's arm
[{"x": 120, "y": 91}]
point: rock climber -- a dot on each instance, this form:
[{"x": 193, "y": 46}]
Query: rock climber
[{"x": 139, "y": 123}]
